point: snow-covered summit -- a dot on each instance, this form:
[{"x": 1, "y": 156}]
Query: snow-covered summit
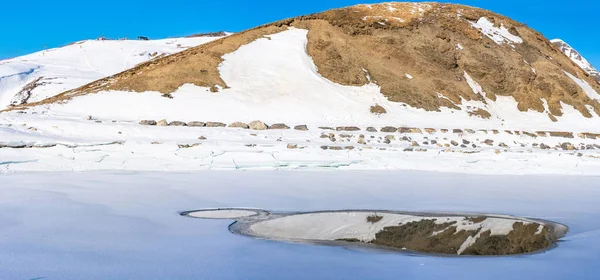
[
  {"x": 577, "y": 58},
  {"x": 44, "y": 74}
]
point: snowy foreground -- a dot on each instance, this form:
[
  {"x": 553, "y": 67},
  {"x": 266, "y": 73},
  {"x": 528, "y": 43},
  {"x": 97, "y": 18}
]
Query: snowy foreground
[{"x": 101, "y": 225}]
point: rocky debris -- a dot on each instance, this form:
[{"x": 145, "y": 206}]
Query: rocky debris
[
  {"x": 509, "y": 132},
  {"x": 457, "y": 131},
  {"x": 371, "y": 129},
  {"x": 561, "y": 134},
  {"x": 196, "y": 124},
  {"x": 337, "y": 148},
  {"x": 405, "y": 138},
  {"x": 387, "y": 141},
  {"x": 470, "y": 131},
  {"x": 389, "y": 129},
  {"x": 361, "y": 139},
  {"x": 503, "y": 145},
  {"x": 541, "y": 133},
  {"x": 177, "y": 123},
  {"x": 215, "y": 124},
  {"x": 250, "y": 145},
  {"x": 466, "y": 142},
  {"x": 279, "y": 126},
  {"x": 454, "y": 143},
  {"x": 162, "y": 122},
  {"x": 238, "y": 125},
  {"x": 378, "y": 109},
  {"x": 529, "y": 134},
  {"x": 148, "y": 122},
  {"x": 430, "y": 130},
  {"x": 412, "y": 130},
  {"x": 414, "y": 144},
  {"x": 347, "y": 128},
  {"x": 202, "y": 138},
  {"x": 587, "y": 135},
  {"x": 301, "y": 127},
  {"x": 345, "y": 136},
  {"x": 187, "y": 146},
  {"x": 434, "y": 142},
  {"x": 443, "y": 130},
  {"x": 390, "y": 137},
  {"x": 495, "y": 131},
  {"x": 323, "y": 136},
  {"x": 292, "y": 146},
  {"x": 567, "y": 146},
  {"x": 258, "y": 125},
  {"x": 326, "y": 128},
  {"x": 489, "y": 142},
  {"x": 544, "y": 147}
]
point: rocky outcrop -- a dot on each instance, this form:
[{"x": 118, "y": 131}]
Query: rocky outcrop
[{"x": 279, "y": 126}]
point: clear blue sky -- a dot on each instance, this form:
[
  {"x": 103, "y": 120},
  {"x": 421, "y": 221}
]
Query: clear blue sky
[{"x": 28, "y": 26}]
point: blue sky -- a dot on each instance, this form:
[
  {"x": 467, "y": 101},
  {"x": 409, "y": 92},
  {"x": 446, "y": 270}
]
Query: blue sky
[{"x": 28, "y": 26}]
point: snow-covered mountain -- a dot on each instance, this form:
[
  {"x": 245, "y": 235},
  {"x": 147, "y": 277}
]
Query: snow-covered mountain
[
  {"x": 360, "y": 87},
  {"x": 46, "y": 73},
  {"x": 577, "y": 58}
]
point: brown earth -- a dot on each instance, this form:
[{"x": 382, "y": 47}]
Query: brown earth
[
  {"x": 418, "y": 236},
  {"x": 386, "y": 42}
]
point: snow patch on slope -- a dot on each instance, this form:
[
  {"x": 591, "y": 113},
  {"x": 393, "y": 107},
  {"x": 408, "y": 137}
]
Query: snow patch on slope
[
  {"x": 499, "y": 35},
  {"x": 589, "y": 90}
]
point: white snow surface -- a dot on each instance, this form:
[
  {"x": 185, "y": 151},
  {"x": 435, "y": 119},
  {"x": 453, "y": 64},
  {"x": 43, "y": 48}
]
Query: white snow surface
[
  {"x": 72, "y": 66},
  {"x": 500, "y": 35}
]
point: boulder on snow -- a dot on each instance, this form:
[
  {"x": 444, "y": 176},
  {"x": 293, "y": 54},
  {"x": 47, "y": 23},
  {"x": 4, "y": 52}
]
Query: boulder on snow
[
  {"x": 301, "y": 127},
  {"x": 371, "y": 129},
  {"x": 148, "y": 122},
  {"x": 238, "y": 125},
  {"x": 279, "y": 126},
  {"x": 162, "y": 122},
  {"x": 258, "y": 125},
  {"x": 347, "y": 128},
  {"x": 196, "y": 124},
  {"x": 389, "y": 129},
  {"x": 215, "y": 124},
  {"x": 177, "y": 123}
]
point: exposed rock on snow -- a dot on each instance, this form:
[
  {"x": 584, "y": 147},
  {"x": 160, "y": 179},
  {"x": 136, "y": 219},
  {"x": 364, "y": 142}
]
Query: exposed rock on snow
[
  {"x": 577, "y": 58},
  {"x": 279, "y": 126},
  {"x": 238, "y": 125},
  {"x": 258, "y": 125}
]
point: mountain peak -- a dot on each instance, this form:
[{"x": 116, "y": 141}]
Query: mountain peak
[{"x": 577, "y": 58}]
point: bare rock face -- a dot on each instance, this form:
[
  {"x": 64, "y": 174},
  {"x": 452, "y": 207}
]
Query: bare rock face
[
  {"x": 301, "y": 127},
  {"x": 258, "y": 125},
  {"x": 162, "y": 123},
  {"x": 238, "y": 125},
  {"x": 279, "y": 126},
  {"x": 196, "y": 124},
  {"x": 148, "y": 122},
  {"x": 215, "y": 124}
]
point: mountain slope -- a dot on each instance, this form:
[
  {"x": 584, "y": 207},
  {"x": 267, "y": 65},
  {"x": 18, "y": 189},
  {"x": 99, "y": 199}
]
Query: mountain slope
[
  {"x": 577, "y": 58},
  {"x": 438, "y": 60},
  {"x": 37, "y": 76}
]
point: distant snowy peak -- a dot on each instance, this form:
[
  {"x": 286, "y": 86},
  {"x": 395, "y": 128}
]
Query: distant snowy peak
[{"x": 577, "y": 58}]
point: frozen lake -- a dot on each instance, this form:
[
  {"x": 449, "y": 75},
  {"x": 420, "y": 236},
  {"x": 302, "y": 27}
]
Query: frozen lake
[{"x": 118, "y": 225}]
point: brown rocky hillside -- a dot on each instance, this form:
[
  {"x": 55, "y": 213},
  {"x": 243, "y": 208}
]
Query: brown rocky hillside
[{"x": 435, "y": 43}]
